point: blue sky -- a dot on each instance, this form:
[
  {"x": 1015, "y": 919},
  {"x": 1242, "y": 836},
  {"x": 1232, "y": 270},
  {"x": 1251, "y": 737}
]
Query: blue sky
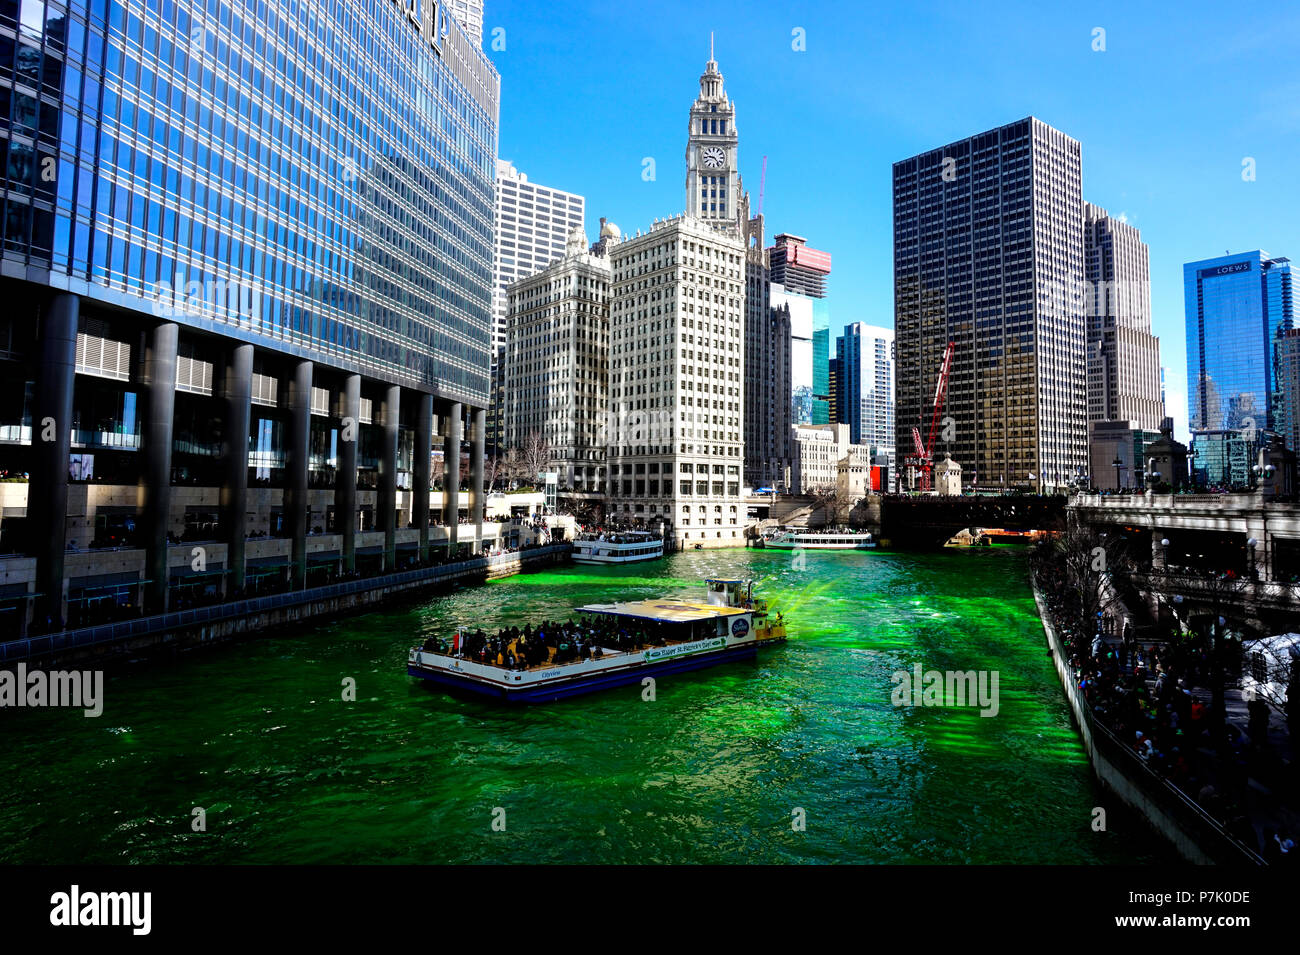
[{"x": 1181, "y": 95}]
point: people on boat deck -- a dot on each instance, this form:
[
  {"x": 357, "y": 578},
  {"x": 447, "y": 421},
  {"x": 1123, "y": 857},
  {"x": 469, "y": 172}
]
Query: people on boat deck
[{"x": 552, "y": 642}]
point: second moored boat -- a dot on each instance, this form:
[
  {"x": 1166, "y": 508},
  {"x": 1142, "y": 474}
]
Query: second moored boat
[{"x": 833, "y": 539}]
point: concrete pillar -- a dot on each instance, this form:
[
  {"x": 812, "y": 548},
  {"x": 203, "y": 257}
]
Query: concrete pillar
[
  {"x": 420, "y": 471},
  {"x": 297, "y": 440},
  {"x": 345, "y": 483},
  {"x": 156, "y": 481},
  {"x": 47, "y": 488},
  {"x": 390, "y": 415},
  {"x": 451, "y": 473},
  {"x": 237, "y": 390},
  {"x": 478, "y": 437}
]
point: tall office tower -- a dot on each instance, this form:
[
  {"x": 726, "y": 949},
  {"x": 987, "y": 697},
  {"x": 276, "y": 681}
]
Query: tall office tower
[
  {"x": 557, "y": 363},
  {"x": 988, "y": 254},
  {"x": 805, "y": 269},
  {"x": 278, "y": 344},
  {"x": 865, "y": 356},
  {"x": 533, "y": 224},
  {"x": 1236, "y": 307},
  {"x": 1123, "y": 355},
  {"x": 676, "y": 357},
  {"x": 469, "y": 13}
]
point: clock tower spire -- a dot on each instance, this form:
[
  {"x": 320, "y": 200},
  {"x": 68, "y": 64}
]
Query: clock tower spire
[{"x": 713, "y": 185}]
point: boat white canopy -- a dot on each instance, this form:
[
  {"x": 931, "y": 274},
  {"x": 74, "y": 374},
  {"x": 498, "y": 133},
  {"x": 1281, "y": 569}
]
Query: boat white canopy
[{"x": 665, "y": 611}]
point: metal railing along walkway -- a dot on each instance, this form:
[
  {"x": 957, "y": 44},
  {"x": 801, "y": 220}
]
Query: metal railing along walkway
[{"x": 28, "y": 648}]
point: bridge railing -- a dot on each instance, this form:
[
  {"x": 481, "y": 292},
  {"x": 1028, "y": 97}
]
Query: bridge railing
[{"x": 1272, "y": 592}]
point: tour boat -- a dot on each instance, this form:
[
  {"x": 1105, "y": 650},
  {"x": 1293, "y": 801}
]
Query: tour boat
[
  {"x": 688, "y": 635},
  {"x": 796, "y": 538},
  {"x": 617, "y": 547}
]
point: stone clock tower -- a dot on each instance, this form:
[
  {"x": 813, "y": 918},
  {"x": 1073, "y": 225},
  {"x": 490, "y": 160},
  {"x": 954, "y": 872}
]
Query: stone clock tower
[{"x": 713, "y": 188}]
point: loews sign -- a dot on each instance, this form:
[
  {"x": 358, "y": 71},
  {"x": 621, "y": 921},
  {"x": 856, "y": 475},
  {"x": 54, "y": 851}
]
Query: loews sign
[{"x": 429, "y": 17}]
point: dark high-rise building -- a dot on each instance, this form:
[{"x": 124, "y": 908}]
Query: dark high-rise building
[
  {"x": 247, "y": 263},
  {"x": 988, "y": 254}
]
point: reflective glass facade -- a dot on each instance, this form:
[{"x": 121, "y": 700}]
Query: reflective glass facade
[
  {"x": 314, "y": 178},
  {"x": 1235, "y": 307}
]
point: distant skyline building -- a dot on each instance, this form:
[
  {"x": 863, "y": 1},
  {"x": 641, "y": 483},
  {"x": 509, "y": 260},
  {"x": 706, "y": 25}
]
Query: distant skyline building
[
  {"x": 469, "y": 13},
  {"x": 988, "y": 254},
  {"x": 533, "y": 223},
  {"x": 810, "y": 323},
  {"x": 798, "y": 268},
  {"x": 1124, "y": 382},
  {"x": 865, "y": 360},
  {"x": 557, "y": 361}
]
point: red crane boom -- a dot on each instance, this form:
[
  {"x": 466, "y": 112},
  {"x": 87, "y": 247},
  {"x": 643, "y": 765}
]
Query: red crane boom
[{"x": 924, "y": 453}]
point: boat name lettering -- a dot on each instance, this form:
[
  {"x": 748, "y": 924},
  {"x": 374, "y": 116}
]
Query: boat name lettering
[{"x": 663, "y": 653}]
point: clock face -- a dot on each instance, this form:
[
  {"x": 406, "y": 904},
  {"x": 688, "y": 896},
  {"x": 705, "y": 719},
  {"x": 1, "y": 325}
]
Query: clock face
[{"x": 713, "y": 157}]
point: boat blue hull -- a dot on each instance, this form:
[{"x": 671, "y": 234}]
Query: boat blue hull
[{"x": 582, "y": 685}]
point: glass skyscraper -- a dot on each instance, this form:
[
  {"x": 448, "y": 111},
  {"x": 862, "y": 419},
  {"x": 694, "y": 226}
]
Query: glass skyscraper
[
  {"x": 1235, "y": 306},
  {"x": 865, "y": 356},
  {"x": 271, "y": 204}
]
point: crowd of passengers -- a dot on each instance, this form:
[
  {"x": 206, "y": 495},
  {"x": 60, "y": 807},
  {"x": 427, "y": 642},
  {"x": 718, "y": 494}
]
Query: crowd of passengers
[{"x": 553, "y": 642}]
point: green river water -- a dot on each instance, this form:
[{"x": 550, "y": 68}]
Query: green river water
[{"x": 258, "y": 734}]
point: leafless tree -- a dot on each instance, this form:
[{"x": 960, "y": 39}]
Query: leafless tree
[
  {"x": 534, "y": 455},
  {"x": 511, "y": 468},
  {"x": 830, "y": 500},
  {"x": 1097, "y": 565}
]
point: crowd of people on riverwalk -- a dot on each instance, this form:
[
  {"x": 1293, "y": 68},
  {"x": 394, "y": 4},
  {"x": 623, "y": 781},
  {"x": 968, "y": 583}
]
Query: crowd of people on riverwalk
[
  {"x": 1144, "y": 696},
  {"x": 514, "y": 648}
]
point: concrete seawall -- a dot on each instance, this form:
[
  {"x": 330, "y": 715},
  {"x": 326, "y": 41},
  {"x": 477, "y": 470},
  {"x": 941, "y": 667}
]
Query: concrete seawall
[
  {"x": 1192, "y": 832},
  {"x": 229, "y": 621}
]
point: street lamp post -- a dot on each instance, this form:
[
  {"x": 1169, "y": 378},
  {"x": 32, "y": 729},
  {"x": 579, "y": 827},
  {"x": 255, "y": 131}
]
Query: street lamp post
[
  {"x": 1251, "y": 543},
  {"x": 1117, "y": 463}
]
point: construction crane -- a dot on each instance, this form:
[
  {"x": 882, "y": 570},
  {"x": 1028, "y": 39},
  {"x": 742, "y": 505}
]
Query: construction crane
[{"x": 922, "y": 455}]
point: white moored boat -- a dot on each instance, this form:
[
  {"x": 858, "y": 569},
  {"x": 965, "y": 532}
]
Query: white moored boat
[
  {"x": 617, "y": 547},
  {"x": 833, "y": 539}
]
